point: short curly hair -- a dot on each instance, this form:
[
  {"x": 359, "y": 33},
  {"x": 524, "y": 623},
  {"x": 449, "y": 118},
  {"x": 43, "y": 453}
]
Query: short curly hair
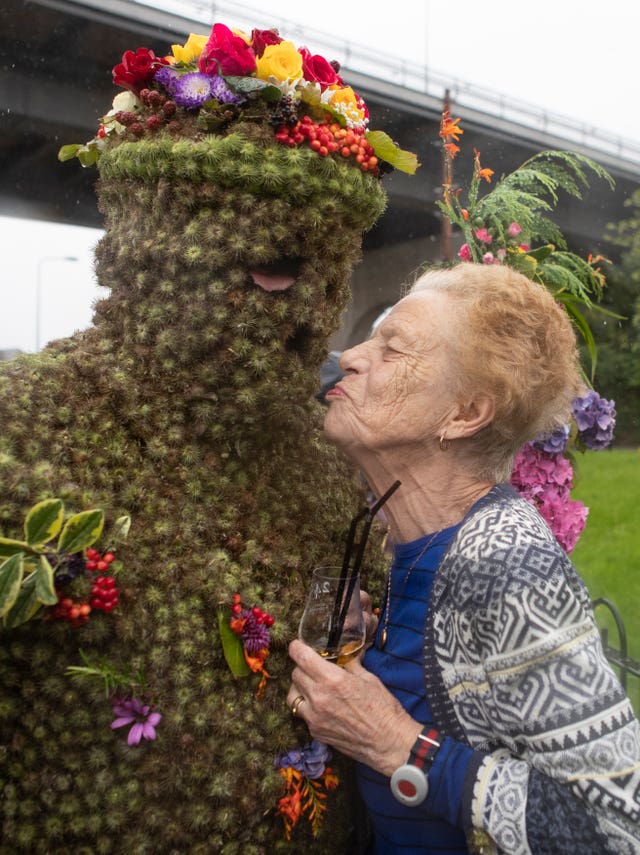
[{"x": 516, "y": 344}]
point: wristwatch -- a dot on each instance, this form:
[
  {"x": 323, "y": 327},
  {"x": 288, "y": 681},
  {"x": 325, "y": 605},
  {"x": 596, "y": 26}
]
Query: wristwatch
[{"x": 409, "y": 783}]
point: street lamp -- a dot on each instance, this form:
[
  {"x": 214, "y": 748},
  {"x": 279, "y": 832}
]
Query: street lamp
[{"x": 41, "y": 262}]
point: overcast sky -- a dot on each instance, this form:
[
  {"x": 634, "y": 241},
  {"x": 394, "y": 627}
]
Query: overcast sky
[{"x": 578, "y": 59}]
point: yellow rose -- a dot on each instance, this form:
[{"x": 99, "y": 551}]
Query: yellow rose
[
  {"x": 192, "y": 49},
  {"x": 343, "y": 100},
  {"x": 281, "y": 61}
]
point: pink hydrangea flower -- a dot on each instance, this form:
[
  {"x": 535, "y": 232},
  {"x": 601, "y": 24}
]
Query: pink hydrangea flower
[
  {"x": 514, "y": 229},
  {"x": 546, "y": 480},
  {"x": 488, "y": 258},
  {"x": 464, "y": 252},
  {"x": 501, "y": 255}
]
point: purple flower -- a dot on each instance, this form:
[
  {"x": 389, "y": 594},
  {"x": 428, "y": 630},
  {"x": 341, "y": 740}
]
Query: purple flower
[
  {"x": 596, "y": 419},
  {"x": 221, "y": 92},
  {"x": 310, "y": 761},
  {"x": 553, "y": 443},
  {"x": 192, "y": 90},
  {"x": 131, "y": 711},
  {"x": 255, "y": 634},
  {"x": 167, "y": 77}
]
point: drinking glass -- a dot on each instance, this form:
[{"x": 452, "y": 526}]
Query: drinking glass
[{"x": 326, "y": 601}]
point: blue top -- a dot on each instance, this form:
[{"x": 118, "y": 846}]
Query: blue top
[{"x": 435, "y": 826}]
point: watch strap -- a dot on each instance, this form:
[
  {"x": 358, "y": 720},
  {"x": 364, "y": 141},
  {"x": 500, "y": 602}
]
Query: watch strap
[{"x": 409, "y": 783}]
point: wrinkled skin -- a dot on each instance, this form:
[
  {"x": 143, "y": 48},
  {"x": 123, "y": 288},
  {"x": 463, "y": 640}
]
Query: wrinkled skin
[{"x": 189, "y": 404}]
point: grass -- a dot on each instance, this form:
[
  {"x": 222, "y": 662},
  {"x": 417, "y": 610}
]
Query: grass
[{"x": 607, "y": 555}]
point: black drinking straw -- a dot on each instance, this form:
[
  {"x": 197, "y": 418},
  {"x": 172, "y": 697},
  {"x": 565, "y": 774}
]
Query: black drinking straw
[{"x": 340, "y": 614}]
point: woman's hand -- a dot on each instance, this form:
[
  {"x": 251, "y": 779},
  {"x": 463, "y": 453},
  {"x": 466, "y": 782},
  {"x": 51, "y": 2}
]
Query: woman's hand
[{"x": 350, "y": 709}]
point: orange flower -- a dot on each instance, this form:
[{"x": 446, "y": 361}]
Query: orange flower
[
  {"x": 479, "y": 171},
  {"x": 452, "y": 149},
  {"x": 256, "y": 663},
  {"x": 449, "y": 129},
  {"x": 465, "y": 214},
  {"x": 305, "y": 797}
]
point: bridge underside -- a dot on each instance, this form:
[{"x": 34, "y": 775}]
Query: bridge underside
[{"x": 55, "y": 81}]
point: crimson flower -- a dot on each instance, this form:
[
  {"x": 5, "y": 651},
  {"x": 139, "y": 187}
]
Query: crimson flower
[
  {"x": 317, "y": 69},
  {"x": 137, "y": 69},
  {"x": 226, "y": 53},
  {"x": 260, "y": 39}
]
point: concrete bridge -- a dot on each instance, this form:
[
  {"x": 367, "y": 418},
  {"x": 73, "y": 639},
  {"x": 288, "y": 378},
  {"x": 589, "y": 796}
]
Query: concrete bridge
[{"x": 55, "y": 81}]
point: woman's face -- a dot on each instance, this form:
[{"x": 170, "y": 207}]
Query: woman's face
[{"x": 396, "y": 390}]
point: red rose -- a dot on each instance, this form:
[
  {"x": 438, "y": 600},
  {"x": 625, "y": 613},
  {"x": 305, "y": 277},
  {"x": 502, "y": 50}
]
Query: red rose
[
  {"x": 317, "y": 69},
  {"x": 137, "y": 69},
  {"x": 260, "y": 39},
  {"x": 225, "y": 53}
]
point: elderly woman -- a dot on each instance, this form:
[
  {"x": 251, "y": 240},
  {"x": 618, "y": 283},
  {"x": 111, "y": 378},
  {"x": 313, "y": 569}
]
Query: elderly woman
[{"x": 484, "y": 716}]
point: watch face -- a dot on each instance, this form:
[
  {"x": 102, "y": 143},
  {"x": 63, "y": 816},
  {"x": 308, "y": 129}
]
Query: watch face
[{"x": 409, "y": 785}]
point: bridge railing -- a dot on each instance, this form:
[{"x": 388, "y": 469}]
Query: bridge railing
[{"x": 410, "y": 75}]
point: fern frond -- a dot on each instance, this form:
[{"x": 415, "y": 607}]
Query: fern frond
[
  {"x": 566, "y": 271},
  {"x": 567, "y": 170}
]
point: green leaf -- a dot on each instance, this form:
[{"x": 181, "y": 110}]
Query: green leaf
[
  {"x": 11, "y": 547},
  {"x": 254, "y": 86},
  {"x": 45, "y": 589},
  {"x": 88, "y": 155},
  {"x": 24, "y": 608},
  {"x": 11, "y": 573},
  {"x": 81, "y": 530},
  {"x": 232, "y": 646},
  {"x": 387, "y": 150},
  {"x": 120, "y": 530},
  {"x": 541, "y": 252},
  {"x": 44, "y": 522},
  {"x": 67, "y": 152}
]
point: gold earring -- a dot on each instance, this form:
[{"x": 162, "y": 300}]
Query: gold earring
[{"x": 444, "y": 443}]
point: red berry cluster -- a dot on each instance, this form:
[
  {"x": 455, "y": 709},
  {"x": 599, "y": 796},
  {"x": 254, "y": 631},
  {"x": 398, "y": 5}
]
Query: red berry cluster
[
  {"x": 103, "y": 594},
  {"x": 330, "y": 139},
  {"x": 77, "y": 613},
  {"x": 259, "y": 615},
  {"x": 163, "y": 110}
]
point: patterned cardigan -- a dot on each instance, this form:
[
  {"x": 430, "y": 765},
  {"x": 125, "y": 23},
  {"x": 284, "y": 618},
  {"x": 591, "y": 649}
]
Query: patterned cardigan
[{"x": 514, "y": 667}]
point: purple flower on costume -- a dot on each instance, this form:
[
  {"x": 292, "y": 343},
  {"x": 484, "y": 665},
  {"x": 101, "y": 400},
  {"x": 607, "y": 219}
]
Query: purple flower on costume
[
  {"x": 192, "y": 90},
  {"x": 310, "y": 761},
  {"x": 545, "y": 480},
  {"x": 553, "y": 443},
  {"x": 143, "y": 720},
  {"x": 255, "y": 635},
  {"x": 167, "y": 77},
  {"x": 596, "y": 419},
  {"x": 221, "y": 92}
]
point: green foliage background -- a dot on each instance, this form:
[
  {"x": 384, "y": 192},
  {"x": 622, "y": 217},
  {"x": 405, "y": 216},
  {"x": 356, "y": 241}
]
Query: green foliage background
[
  {"x": 618, "y": 339},
  {"x": 607, "y": 555}
]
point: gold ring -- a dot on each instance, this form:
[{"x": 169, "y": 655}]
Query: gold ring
[{"x": 296, "y": 704}]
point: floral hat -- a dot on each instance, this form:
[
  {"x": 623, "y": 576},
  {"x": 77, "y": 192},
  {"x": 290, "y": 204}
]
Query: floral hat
[{"x": 212, "y": 83}]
